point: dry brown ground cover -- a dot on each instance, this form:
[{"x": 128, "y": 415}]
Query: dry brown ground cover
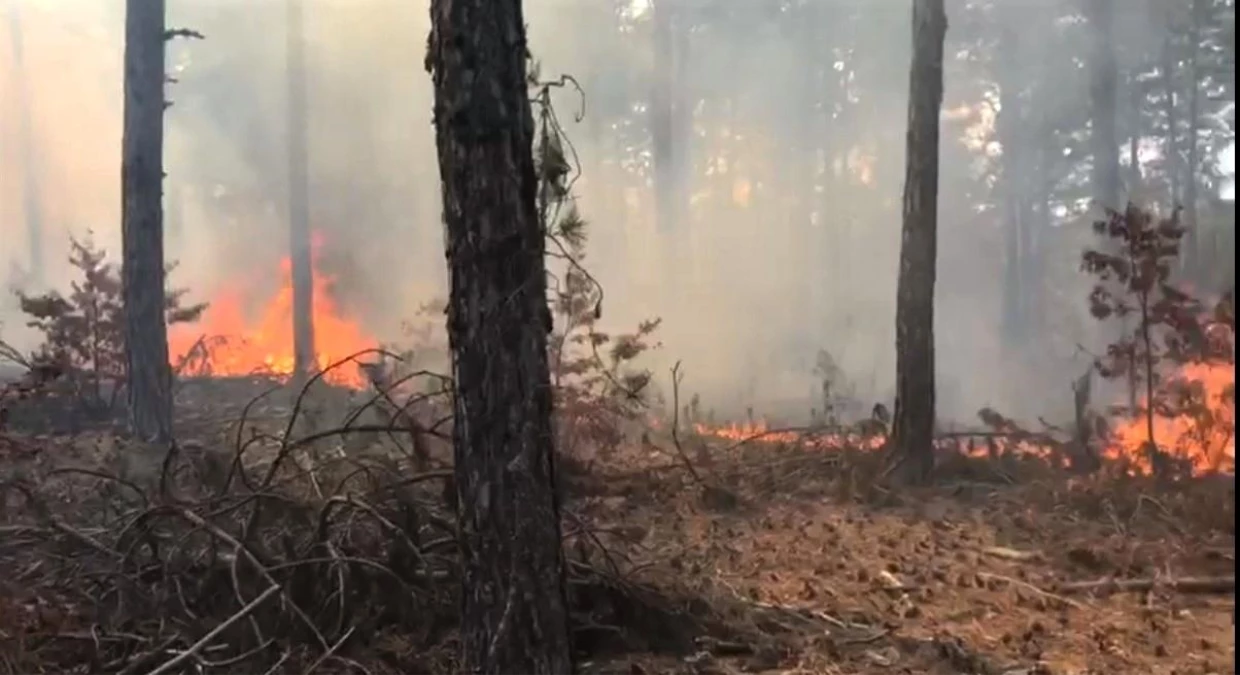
[
  {"x": 765, "y": 558},
  {"x": 1048, "y": 574}
]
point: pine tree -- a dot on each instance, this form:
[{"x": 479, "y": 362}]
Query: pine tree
[
  {"x": 514, "y": 614},
  {"x": 913, "y": 426},
  {"x": 149, "y": 377}
]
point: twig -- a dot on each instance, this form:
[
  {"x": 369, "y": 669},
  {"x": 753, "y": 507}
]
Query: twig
[
  {"x": 241, "y": 550},
  {"x": 215, "y": 632},
  {"x": 1181, "y": 585},
  {"x": 1011, "y": 554},
  {"x": 330, "y": 651},
  {"x": 676, "y": 425},
  {"x": 1030, "y": 587}
]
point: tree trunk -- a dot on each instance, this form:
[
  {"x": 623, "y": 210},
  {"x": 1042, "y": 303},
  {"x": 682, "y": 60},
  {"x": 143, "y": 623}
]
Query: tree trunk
[
  {"x": 1171, "y": 145},
  {"x": 148, "y": 375},
  {"x": 668, "y": 115},
  {"x": 1013, "y": 129},
  {"x": 1103, "y": 90},
  {"x": 32, "y": 208},
  {"x": 913, "y": 426},
  {"x": 304, "y": 362},
  {"x": 1192, "y": 240},
  {"x": 514, "y": 616}
]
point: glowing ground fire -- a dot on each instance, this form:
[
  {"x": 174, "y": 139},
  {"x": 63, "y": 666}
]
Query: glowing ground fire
[
  {"x": 228, "y": 342},
  {"x": 1209, "y": 448}
]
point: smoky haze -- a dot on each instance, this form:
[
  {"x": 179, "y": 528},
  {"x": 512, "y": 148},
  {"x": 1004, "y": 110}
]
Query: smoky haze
[{"x": 768, "y": 268}]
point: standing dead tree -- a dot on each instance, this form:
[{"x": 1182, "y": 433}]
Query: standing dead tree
[
  {"x": 913, "y": 427},
  {"x": 514, "y": 609}
]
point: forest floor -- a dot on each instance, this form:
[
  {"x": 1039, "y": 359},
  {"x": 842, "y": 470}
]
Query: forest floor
[
  {"x": 996, "y": 573},
  {"x": 761, "y": 558}
]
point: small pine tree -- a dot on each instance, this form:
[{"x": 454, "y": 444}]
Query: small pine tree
[
  {"x": 1166, "y": 327},
  {"x": 84, "y": 332},
  {"x": 593, "y": 374}
]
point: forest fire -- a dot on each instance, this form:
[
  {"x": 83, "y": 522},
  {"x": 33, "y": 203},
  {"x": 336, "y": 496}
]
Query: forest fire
[
  {"x": 229, "y": 342},
  {"x": 1203, "y": 438}
]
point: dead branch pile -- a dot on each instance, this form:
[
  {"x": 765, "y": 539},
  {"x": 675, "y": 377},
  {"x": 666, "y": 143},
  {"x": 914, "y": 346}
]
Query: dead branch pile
[{"x": 267, "y": 557}]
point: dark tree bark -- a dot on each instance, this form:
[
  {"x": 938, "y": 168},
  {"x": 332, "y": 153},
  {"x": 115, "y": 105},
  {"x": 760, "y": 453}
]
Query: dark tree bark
[
  {"x": 32, "y": 206},
  {"x": 913, "y": 426},
  {"x": 514, "y": 616},
  {"x": 1103, "y": 90},
  {"x": 149, "y": 377},
  {"x": 304, "y": 361}
]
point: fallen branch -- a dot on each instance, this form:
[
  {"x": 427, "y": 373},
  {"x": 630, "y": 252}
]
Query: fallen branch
[
  {"x": 1181, "y": 585},
  {"x": 1006, "y": 553},
  {"x": 198, "y": 646},
  {"x": 1031, "y": 588}
]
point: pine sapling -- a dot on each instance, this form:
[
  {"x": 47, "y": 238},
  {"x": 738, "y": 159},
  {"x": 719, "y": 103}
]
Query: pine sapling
[{"x": 1165, "y": 326}]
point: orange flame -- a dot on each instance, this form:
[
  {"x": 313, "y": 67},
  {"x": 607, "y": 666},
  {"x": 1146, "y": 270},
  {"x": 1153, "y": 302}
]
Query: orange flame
[
  {"x": 237, "y": 346},
  {"x": 1209, "y": 448}
]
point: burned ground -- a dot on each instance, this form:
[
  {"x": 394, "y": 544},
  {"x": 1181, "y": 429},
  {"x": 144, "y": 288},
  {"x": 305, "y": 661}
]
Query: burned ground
[{"x": 336, "y": 556}]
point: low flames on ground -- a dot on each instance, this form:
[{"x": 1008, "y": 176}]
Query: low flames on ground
[
  {"x": 229, "y": 341},
  {"x": 1205, "y": 441}
]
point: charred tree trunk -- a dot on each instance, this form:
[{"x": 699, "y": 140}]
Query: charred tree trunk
[
  {"x": 913, "y": 426},
  {"x": 514, "y": 615},
  {"x": 304, "y": 362},
  {"x": 148, "y": 375},
  {"x": 32, "y": 207},
  {"x": 1103, "y": 90}
]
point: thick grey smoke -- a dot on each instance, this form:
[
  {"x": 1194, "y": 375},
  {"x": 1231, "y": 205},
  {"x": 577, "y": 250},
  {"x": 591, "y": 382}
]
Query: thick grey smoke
[{"x": 749, "y": 292}]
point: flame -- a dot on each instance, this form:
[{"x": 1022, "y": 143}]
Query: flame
[
  {"x": 1208, "y": 448},
  {"x": 238, "y": 346}
]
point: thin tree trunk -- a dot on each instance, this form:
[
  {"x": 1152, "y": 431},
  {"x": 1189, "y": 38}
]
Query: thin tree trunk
[
  {"x": 514, "y": 615},
  {"x": 304, "y": 361},
  {"x": 1171, "y": 145},
  {"x": 913, "y": 426},
  {"x": 32, "y": 206},
  {"x": 148, "y": 375},
  {"x": 1103, "y": 89},
  {"x": 1012, "y": 128},
  {"x": 667, "y": 117},
  {"x": 1192, "y": 242}
]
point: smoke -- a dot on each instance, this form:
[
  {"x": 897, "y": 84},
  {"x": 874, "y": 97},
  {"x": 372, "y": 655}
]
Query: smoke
[{"x": 772, "y": 265}]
